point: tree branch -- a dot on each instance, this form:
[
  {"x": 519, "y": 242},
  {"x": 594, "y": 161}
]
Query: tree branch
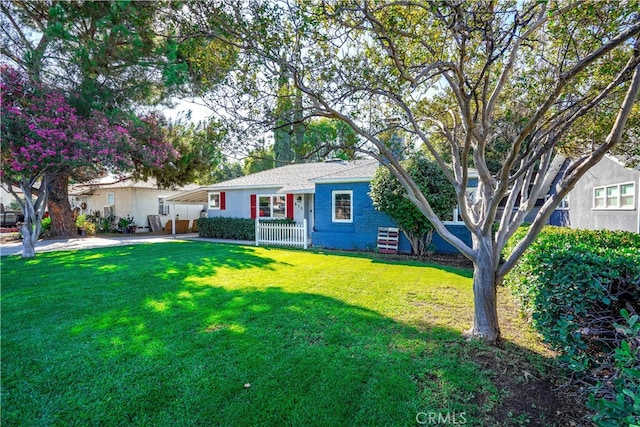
[{"x": 576, "y": 171}]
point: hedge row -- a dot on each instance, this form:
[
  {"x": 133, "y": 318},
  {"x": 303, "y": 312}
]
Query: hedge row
[
  {"x": 232, "y": 228},
  {"x": 227, "y": 228},
  {"x": 582, "y": 291}
]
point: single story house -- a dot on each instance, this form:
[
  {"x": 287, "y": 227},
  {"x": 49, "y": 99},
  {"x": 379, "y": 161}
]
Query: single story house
[
  {"x": 125, "y": 197},
  {"x": 332, "y": 196},
  {"x": 606, "y": 197}
]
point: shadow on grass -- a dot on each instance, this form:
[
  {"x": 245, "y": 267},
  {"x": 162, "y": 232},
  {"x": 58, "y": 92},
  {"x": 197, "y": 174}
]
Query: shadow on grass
[
  {"x": 129, "y": 338},
  {"x": 399, "y": 259}
]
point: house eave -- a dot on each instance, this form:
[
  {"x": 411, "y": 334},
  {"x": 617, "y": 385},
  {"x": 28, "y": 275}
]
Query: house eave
[
  {"x": 341, "y": 180},
  {"x": 214, "y": 188}
]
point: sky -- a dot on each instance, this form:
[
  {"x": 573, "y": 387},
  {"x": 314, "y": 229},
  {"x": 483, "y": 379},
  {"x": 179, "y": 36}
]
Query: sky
[{"x": 182, "y": 107}]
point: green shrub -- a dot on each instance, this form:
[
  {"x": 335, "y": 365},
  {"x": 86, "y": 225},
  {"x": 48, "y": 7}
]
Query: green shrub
[
  {"x": 45, "y": 228},
  {"x": 577, "y": 286},
  {"x": 83, "y": 223},
  {"x": 227, "y": 228},
  {"x": 616, "y": 401},
  {"x": 124, "y": 222},
  {"x": 233, "y": 228}
]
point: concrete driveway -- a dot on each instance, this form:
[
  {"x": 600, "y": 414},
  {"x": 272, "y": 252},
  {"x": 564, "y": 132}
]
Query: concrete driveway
[{"x": 15, "y": 247}]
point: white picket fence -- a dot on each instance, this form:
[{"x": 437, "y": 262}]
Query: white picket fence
[{"x": 282, "y": 234}]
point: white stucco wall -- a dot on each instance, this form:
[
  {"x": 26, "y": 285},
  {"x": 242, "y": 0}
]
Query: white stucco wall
[
  {"x": 581, "y": 211},
  {"x": 138, "y": 203}
]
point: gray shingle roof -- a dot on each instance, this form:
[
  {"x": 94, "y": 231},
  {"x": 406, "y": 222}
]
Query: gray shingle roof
[
  {"x": 361, "y": 170},
  {"x": 299, "y": 177},
  {"x": 295, "y": 178}
]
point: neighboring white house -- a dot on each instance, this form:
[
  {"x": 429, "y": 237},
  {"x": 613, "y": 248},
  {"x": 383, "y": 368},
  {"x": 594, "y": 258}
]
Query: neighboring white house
[
  {"x": 125, "y": 197},
  {"x": 606, "y": 197}
]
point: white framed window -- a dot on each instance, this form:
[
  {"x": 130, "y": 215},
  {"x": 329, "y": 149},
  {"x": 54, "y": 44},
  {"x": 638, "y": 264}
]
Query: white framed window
[
  {"x": 214, "y": 201},
  {"x": 455, "y": 217},
  {"x": 111, "y": 199},
  {"x": 612, "y": 197},
  {"x": 342, "y": 206},
  {"x": 564, "y": 203},
  {"x": 627, "y": 195},
  {"x": 272, "y": 206},
  {"x": 163, "y": 208},
  {"x": 616, "y": 196},
  {"x": 598, "y": 198}
]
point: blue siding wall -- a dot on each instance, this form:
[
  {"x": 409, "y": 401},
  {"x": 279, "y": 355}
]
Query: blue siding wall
[
  {"x": 362, "y": 233},
  {"x": 443, "y": 247}
]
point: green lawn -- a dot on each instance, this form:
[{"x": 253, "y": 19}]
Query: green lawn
[{"x": 196, "y": 333}]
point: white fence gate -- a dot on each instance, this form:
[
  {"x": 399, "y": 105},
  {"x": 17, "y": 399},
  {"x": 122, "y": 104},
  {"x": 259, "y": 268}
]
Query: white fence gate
[{"x": 281, "y": 234}]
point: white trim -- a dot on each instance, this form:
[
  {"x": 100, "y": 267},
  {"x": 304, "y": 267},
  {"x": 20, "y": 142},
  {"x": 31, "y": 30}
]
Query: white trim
[
  {"x": 166, "y": 210},
  {"x": 334, "y": 193},
  {"x": 564, "y": 204},
  {"x": 244, "y": 187},
  {"x": 619, "y": 196},
  {"x": 341, "y": 180},
  {"x": 456, "y": 215},
  {"x": 633, "y": 195},
  {"x": 202, "y": 193},
  {"x": 457, "y": 218},
  {"x": 282, "y": 234},
  {"x": 212, "y": 193},
  {"x": 270, "y": 196}
]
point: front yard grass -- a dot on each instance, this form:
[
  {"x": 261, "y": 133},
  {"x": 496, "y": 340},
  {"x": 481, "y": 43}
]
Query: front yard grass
[{"x": 197, "y": 333}]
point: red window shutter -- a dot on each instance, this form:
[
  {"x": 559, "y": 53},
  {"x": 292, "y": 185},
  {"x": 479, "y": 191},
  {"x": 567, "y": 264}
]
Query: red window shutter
[
  {"x": 290, "y": 206},
  {"x": 253, "y": 206},
  {"x": 223, "y": 200}
]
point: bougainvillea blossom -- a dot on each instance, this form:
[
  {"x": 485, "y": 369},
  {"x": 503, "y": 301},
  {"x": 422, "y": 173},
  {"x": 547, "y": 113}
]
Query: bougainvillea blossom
[{"x": 41, "y": 131}]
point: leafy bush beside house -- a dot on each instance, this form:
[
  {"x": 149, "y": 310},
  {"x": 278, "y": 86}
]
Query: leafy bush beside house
[
  {"x": 390, "y": 197},
  {"x": 84, "y": 224},
  {"x": 582, "y": 291}
]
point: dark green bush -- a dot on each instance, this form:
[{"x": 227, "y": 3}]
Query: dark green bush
[
  {"x": 576, "y": 285},
  {"x": 227, "y": 228},
  {"x": 616, "y": 400},
  {"x": 233, "y": 228}
]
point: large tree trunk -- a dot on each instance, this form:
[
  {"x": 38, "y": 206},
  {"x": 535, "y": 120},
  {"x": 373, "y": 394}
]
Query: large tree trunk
[
  {"x": 63, "y": 223},
  {"x": 485, "y": 316},
  {"x": 33, "y": 212},
  {"x": 29, "y": 239}
]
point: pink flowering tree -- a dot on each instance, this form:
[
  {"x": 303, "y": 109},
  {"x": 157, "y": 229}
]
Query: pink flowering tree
[
  {"x": 43, "y": 138},
  {"x": 146, "y": 149}
]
